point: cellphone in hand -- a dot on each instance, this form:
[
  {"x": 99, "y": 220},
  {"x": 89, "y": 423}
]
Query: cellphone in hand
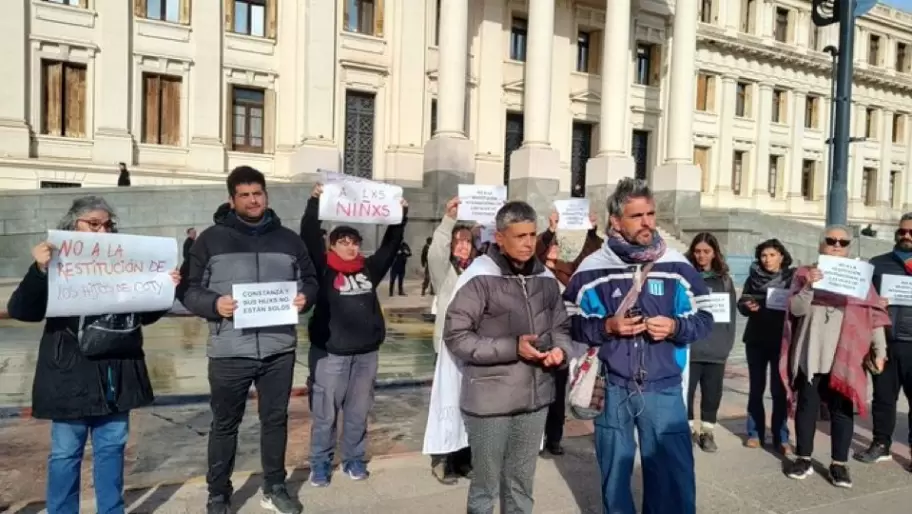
[{"x": 634, "y": 312}]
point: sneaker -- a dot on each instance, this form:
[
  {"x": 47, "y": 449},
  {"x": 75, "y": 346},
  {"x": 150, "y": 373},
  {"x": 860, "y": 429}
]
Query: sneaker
[
  {"x": 877, "y": 452},
  {"x": 554, "y": 448},
  {"x": 320, "y": 474},
  {"x": 277, "y": 499},
  {"x": 441, "y": 472},
  {"x": 217, "y": 505},
  {"x": 356, "y": 470},
  {"x": 708, "y": 443},
  {"x": 800, "y": 469},
  {"x": 839, "y": 476}
]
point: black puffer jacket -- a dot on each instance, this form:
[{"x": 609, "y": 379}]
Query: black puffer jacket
[{"x": 900, "y": 331}]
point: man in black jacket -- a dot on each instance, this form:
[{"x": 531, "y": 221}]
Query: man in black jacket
[
  {"x": 249, "y": 245},
  {"x": 346, "y": 330},
  {"x": 890, "y": 269}
]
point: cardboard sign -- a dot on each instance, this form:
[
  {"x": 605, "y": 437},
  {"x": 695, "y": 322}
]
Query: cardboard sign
[
  {"x": 267, "y": 304},
  {"x": 361, "y": 201},
  {"x": 480, "y": 203}
]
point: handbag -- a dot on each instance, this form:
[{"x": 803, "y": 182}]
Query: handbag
[{"x": 109, "y": 335}]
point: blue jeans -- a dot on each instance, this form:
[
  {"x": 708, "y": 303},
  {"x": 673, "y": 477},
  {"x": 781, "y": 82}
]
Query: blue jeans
[
  {"x": 340, "y": 383},
  {"x": 660, "y": 419},
  {"x": 763, "y": 361},
  {"x": 68, "y": 440}
]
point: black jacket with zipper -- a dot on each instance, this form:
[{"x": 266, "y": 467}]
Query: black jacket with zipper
[{"x": 900, "y": 330}]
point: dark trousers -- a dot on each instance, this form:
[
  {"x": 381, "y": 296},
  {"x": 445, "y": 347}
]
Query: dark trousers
[
  {"x": 557, "y": 411},
  {"x": 897, "y": 374},
  {"x": 426, "y": 283},
  {"x": 710, "y": 376},
  {"x": 842, "y": 416},
  {"x": 763, "y": 362},
  {"x": 397, "y": 275},
  {"x": 229, "y": 381}
]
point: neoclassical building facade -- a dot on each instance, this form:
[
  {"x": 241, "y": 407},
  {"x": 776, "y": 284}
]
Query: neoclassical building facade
[{"x": 727, "y": 105}]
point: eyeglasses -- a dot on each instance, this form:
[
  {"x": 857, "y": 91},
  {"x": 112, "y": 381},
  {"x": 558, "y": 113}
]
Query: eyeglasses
[
  {"x": 832, "y": 241},
  {"x": 95, "y": 225},
  {"x": 903, "y": 232}
]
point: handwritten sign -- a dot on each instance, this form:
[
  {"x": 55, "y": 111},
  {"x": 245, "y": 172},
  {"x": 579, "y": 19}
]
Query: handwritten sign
[
  {"x": 480, "y": 203},
  {"x": 334, "y": 176},
  {"x": 361, "y": 201},
  {"x": 897, "y": 289},
  {"x": 777, "y": 299},
  {"x": 847, "y": 277},
  {"x": 720, "y": 307},
  {"x": 573, "y": 214},
  {"x": 267, "y": 304},
  {"x": 94, "y": 273},
  {"x": 486, "y": 234}
]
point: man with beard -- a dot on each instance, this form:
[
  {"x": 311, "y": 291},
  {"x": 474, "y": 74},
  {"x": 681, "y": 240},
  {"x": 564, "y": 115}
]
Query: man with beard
[
  {"x": 897, "y": 373},
  {"x": 249, "y": 245},
  {"x": 641, "y": 303}
]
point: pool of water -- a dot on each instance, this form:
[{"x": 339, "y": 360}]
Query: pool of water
[{"x": 176, "y": 355}]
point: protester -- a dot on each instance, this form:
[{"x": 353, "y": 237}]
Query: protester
[
  {"x": 346, "y": 331},
  {"x": 507, "y": 359},
  {"x": 708, "y": 356},
  {"x": 397, "y": 271},
  {"x": 123, "y": 180},
  {"x": 188, "y": 242},
  {"x": 824, "y": 348},
  {"x": 770, "y": 271},
  {"x": 642, "y": 303},
  {"x": 426, "y": 283},
  {"x": 249, "y": 245},
  {"x": 548, "y": 252},
  {"x": 449, "y": 254},
  {"x": 897, "y": 373},
  {"x": 91, "y": 372}
]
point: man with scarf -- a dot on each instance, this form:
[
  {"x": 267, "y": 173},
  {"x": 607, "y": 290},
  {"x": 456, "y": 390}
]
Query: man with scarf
[
  {"x": 346, "y": 330},
  {"x": 641, "y": 303},
  {"x": 897, "y": 373}
]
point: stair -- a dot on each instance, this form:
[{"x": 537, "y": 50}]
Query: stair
[{"x": 671, "y": 241}]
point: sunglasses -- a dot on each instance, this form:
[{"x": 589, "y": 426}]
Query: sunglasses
[
  {"x": 903, "y": 232},
  {"x": 842, "y": 243}
]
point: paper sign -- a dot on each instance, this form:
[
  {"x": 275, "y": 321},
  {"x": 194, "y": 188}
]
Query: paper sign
[
  {"x": 361, "y": 201},
  {"x": 94, "y": 273},
  {"x": 267, "y": 304},
  {"x": 777, "y": 299},
  {"x": 486, "y": 234},
  {"x": 720, "y": 307},
  {"x": 333, "y": 176},
  {"x": 573, "y": 214},
  {"x": 480, "y": 203},
  {"x": 897, "y": 289},
  {"x": 847, "y": 277}
]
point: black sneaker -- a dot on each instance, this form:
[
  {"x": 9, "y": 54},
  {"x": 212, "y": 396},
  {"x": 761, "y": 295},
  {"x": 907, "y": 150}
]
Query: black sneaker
[
  {"x": 877, "y": 452},
  {"x": 799, "y": 469},
  {"x": 694, "y": 438},
  {"x": 277, "y": 499},
  {"x": 839, "y": 476},
  {"x": 708, "y": 443},
  {"x": 554, "y": 448},
  {"x": 217, "y": 505}
]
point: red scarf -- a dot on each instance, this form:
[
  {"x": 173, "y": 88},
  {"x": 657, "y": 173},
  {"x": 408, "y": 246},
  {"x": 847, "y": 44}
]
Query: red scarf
[
  {"x": 861, "y": 317},
  {"x": 339, "y": 265}
]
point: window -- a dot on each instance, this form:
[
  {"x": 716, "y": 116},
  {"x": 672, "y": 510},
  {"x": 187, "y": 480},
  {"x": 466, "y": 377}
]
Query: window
[
  {"x": 161, "y": 109},
  {"x": 437, "y": 24},
  {"x": 737, "y": 171},
  {"x": 433, "y": 116},
  {"x": 899, "y": 127},
  {"x": 902, "y": 57},
  {"x": 781, "y": 32},
  {"x": 365, "y": 17},
  {"x": 870, "y": 126},
  {"x": 701, "y": 159},
  {"x": 582, "y": 52},
  {"x": 518, "y": 39},
  {"x": 648, "y": 64},
  {"x": 894, "y": 189},
  {"x": 808, "y": 169},
  {"x": 78, "y": 3},
  {"x": 811, "y": 110},
  {"x": 706, "y": 11},
  {"x": 747, "y": 16},
  {"x": 874, "y": 49},
  {"x": 814, "y": 37},
  {"x": 250, "y": 17},
  {"x": 773, "y": 184},
  {"x": 706, "y": 92},
  {"x": 248, "y": 111},
  {"x": 165, "y": 10},
  {"x": 358, "y": 158},
  {"x": 780, "y": 106},
  {"x": 63, "y": 98},
  {"x": 869, "y": 186},
  {"x": 743, "y": 99},
  {"x": 51, "y": 184}
]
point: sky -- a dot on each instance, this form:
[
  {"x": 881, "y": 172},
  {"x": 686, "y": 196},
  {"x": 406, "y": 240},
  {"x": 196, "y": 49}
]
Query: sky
[{"x": 902, "y": 4}]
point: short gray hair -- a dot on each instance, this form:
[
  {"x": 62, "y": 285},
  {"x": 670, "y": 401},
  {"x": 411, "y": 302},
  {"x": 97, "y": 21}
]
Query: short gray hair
[
  {"x": 512, "y": 212},
  {"x": 627, "y": 189},
  {"x": 84, "y": 205},
  {"x": 829, "y": 228}
]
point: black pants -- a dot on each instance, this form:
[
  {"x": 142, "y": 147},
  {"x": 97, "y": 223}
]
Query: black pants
[
  {"x": 763, "y": 362},
  {"x": 426, "y": 283},
  {"x": 842, "y": 417},
  {"x": 710, "y": 376},
  {"x": 229, "y": 381},
  {"x": 897, "y": 374},
  {"x": 557, "y": 411},
  {"x": 397, "y": 275}
]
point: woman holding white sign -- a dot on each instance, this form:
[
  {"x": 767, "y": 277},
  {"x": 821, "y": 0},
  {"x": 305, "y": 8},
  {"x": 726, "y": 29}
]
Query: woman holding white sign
[
  {"x": 91, "y": 372},
  {"x": 827, "y": 343}
]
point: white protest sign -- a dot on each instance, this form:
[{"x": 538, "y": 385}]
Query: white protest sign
[
  {"x": 720, "y": 307},
  {"x": 486, "y": 234},
  {"x": 267, "y": 304},
  {"x": 573, "y": 214},
  {"x": 897, "y": 289},
  {"x": 847, "y": 277},
  {"x": 480, "y": 203},
  {"x": 334, "y": 176},
  {"x": 361, "y": 201},
  {"x": 777, "y": 299},
  {"x": 94, "y": 273}
]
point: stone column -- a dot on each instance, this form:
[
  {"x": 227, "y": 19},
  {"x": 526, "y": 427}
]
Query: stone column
[
  {"x": 856, "y": 164},
  {"x": 14, "y": 130},
  {"x": 907, "y": 171},
  {"x": 725, "y": 149},
  {"x": 113, "y": 79},
  {"x": 489, "y": 137},
  {"x": 208, "y": 93},
  {"x": 884, "y": 207},
  {"x": 793, "y": 184},
  {"x": 760, "y": 193},
  {"x": 677, "y": 181},
  {"x": 449, "y": 157},
  {"x": 534, "y": 167},
  {"x": 613, "y": 161}
]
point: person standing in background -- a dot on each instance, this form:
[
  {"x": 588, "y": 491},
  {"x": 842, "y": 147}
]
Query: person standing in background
[
  {"x": 188, "y": 242},
  {"x": 427, "y": 271},
  {"x": 397, "y": 272},
  {"x": 124, "y": 179}
]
